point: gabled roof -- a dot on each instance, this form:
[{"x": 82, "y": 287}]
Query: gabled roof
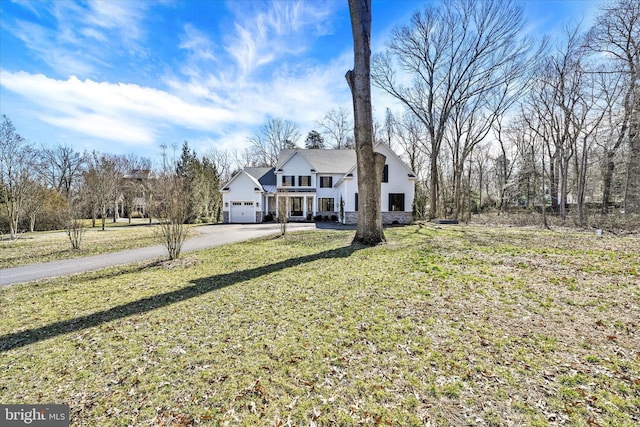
[
  {"x": 349, "y": 174},
  {"x": 258, "y": 186},
  {"x": 410, "y": 173},
  {"x": 265, "y": 176},
  {"x": 323, "y": 161}
]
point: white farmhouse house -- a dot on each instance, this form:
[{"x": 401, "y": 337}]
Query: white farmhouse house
[{"x": 314, "y": 184}]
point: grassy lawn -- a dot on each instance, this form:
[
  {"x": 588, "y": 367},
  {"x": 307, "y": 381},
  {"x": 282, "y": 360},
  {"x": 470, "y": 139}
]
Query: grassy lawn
[
  {"x": 441, "y": 326},
  {"x": 37, "y": 247}
]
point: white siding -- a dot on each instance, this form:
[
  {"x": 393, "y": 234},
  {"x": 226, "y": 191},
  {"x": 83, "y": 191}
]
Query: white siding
[
  {"x": 242, "y": 189},
  {"x": 296, "y": 166}
]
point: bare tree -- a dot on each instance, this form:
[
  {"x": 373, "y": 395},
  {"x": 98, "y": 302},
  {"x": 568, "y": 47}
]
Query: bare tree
[
  {"x": 537, "y": 144},
  {"x": 481, "y": 161},
  {"x": 277, "y": 134},
  {"x": 505, "y": 161},
  {"x": 16, "y": 168},
  {"x": 36, "y": 195},
  {"x": 453, "y": 53},
  {"x": 282, "y": 210},
  {"x": 222, "y": 161},
  {"x": 614, "y": 129},
  {"x": 61, "y": 167},
  {"x": 74, "y": 225},
  {"x": 559, "y": 102},
  {"x": 588, "y": 115},
  {"x": 369, "y": 164},
  {"x": 411, "y": 134},
  {"x": 171, "y": 207},
  {"x": 617, "y": 33},
  {"x": 337, "y": 126},
  {"x": 102, "y": 180}
]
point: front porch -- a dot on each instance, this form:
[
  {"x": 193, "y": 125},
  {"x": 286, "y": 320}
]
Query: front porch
[{"x": 298, "y": 207}]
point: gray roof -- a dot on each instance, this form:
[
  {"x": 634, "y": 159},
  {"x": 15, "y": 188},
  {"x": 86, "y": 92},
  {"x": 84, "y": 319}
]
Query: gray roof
[
  {"x": 323, "y": 161},
  {"x": 265, "y": 176}
]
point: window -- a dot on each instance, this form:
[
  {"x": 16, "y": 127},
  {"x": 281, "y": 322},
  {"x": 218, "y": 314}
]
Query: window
[
  {"x": 326, "y": 181},
  {"x": 304, "y": 181},
  {"x": 236, "y": 203},
  {"x": 385, "y": 174},
  {"x": 325, "y": 204},
  {"x": 356, "y": 202},
  {"x": 396, "y": 202},
  {"x": 296, "y": 206},
  {"x": 288, "y": 180}
]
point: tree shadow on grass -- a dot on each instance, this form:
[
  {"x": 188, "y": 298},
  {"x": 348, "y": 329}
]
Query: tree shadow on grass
[{"x": 200, "y": 287}]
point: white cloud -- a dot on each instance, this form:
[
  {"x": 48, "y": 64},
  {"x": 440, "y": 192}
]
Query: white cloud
[
  {"x": 77, "y": 38},
  {"x": 264, "y": 32},
  {"x": 197, "y": 43},
  {"x": 118, "y": 112},
  {"x": 211, "y": 97}
]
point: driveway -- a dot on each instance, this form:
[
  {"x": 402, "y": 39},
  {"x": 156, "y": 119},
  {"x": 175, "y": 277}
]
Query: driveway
[{"x": 210, "y": 235}]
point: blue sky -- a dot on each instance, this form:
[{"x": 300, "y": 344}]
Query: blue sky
[{"x": 124, "y": 76}]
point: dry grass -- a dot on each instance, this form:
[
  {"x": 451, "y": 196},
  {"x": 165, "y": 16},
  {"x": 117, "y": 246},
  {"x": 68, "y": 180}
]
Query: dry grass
[
  {"x": 441, "y": 326},
  {"x": 38, "y": 247}
]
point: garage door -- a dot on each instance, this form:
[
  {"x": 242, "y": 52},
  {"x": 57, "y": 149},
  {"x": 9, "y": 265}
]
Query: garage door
[{"x": 243, "y": 212}]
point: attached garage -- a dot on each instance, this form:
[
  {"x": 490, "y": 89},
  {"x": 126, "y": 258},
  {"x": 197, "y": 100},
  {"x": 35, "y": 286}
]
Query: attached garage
[{"x": 243, "y": 212}]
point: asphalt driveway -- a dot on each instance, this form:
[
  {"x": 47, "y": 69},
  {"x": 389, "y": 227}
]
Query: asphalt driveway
[{"x": 210, "y": 235}]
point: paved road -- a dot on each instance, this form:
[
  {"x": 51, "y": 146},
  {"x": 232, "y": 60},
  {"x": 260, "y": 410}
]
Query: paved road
[{"x": 210, "y": 235}]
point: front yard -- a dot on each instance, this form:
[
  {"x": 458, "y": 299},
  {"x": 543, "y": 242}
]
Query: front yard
[
  {"x": 31, "y": 248},
  {"x": 441, "y": 326}
]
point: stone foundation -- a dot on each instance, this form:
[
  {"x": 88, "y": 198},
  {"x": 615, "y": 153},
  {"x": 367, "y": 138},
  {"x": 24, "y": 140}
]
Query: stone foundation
[
  {"x": 387, "y": 217},
  {"x": 397, "y": 217},
  {"x": 351, "y": 217}
]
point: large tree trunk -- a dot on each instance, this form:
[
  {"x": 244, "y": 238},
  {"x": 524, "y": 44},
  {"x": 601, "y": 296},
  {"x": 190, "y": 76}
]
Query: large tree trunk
[
  {"x": 609, "y": 166},
  {"x": 433, "y": 187},
  {"x": 370, "y": 164},
  {"x": 632, "y": 199}
]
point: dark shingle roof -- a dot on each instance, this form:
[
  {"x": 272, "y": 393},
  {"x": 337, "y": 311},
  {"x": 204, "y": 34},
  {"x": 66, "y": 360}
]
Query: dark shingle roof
[
  {"x": 323, "y": 161},
  {"x": 265, "y": 176}
]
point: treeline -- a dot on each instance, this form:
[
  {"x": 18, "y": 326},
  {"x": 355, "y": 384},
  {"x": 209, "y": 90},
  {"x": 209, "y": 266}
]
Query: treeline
[
  {"x": 48, "y": 188},
  {"x": 495, "y": 119}
]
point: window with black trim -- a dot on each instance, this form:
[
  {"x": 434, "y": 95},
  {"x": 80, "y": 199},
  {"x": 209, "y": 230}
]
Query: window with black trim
[
  {"x": 396, "y": 202},
  {"x": 296, "y": 206},
  {"x": 385, "y": 174},
  {"x": 288, "y": 180},
  {"x": 304, "y": 181},
  {"x": 326, "y": 181},
  {"x": 325, "y": 204},
  {"x": 356, "y": 202}
]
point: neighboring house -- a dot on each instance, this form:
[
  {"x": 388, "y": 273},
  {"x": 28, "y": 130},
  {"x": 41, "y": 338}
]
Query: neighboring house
[
  {"x": 132, "y": 194},
  {"x": 316, "y": 183}
]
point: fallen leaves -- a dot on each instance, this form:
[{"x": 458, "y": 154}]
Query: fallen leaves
[{"x": 471, "y": 325}]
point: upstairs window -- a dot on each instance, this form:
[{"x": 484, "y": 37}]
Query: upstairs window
[
  {"x": 304, "y": 181},
  {"x": 288, "y": 180},
  {"x": 326, "y": 181},
  {"x": 385, "y": 174}
]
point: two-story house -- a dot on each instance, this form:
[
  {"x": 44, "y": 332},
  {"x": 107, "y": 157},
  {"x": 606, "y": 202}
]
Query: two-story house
[{"x": 312, "y": 183}]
